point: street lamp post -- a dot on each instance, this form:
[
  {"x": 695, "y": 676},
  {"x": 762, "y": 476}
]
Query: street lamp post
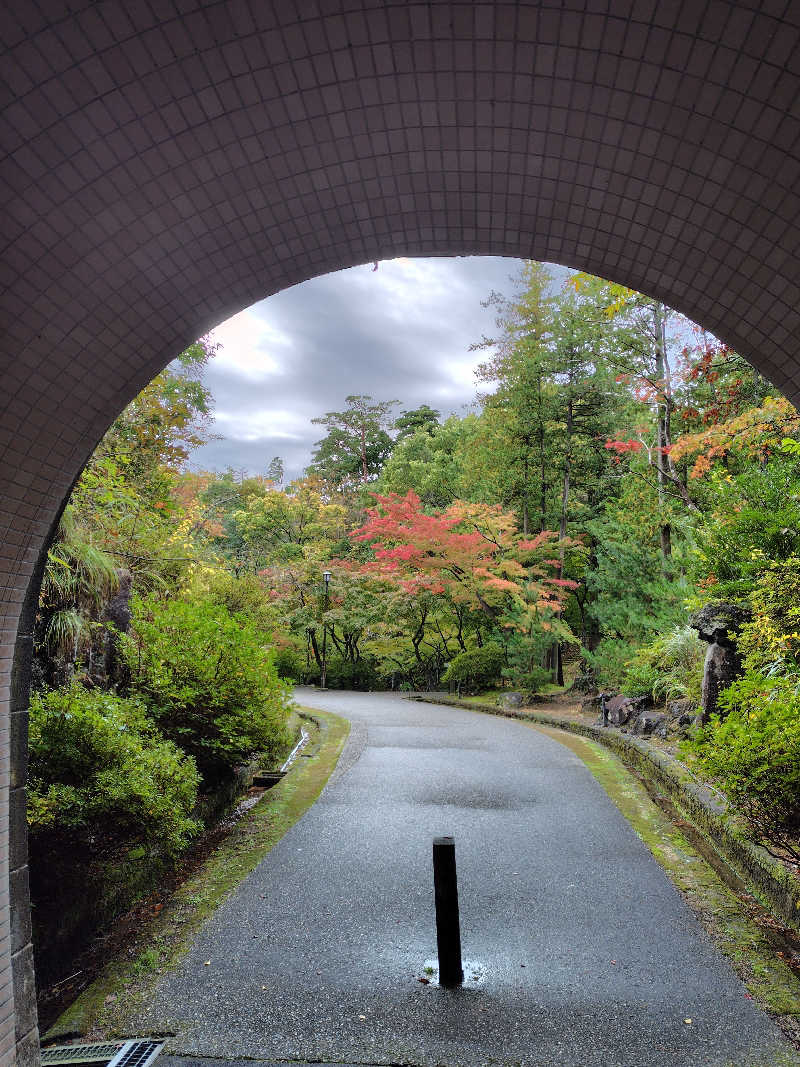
[{"x": 326, "y": 577}]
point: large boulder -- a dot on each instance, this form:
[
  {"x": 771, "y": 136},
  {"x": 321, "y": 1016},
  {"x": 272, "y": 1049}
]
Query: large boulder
[
  {"x": 719, "y": 623},
  {"x": 619, "y": 709},
  {"x": 511, "y": 701},
  {"x": 648, "y": 722}
]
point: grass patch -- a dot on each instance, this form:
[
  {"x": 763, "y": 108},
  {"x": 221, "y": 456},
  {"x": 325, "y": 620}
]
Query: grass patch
[
  {"x": 731, "y": 921},
  {"x": 104, "y": 1009},
  {"x": 492, "y": 696}
]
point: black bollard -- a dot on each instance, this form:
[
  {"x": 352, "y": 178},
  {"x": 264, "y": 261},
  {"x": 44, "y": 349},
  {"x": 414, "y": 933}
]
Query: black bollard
[{"x": 448, "y": 933}]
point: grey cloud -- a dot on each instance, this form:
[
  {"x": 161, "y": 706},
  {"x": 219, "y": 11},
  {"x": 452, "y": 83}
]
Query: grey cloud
[{"x": 392, "y": 336}]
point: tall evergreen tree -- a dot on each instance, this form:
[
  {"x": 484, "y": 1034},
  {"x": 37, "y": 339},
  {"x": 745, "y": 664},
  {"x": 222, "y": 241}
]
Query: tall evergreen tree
[{"x": 357, "y": 443}]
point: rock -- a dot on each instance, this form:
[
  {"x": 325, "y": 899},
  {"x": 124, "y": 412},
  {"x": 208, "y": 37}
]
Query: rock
[
  {"x": 681, "y": 709},
  {"x": 647, "y": 722},
  {"x": 679, "y": 716},
  {"x": 117, "y": 618},
  {"x": 511, "y": 700},
  {"x": 619, "y": 709},
  {"x": 719, "y": 623}
]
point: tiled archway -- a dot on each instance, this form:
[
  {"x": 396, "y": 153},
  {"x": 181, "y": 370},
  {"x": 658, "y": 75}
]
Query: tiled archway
[{"x": 168, "y": 163}]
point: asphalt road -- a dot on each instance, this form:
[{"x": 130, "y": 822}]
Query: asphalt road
[{"x": 584, "y": 952}]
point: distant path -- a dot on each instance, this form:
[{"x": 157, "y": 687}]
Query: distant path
[{"x": 591, "y": 956}]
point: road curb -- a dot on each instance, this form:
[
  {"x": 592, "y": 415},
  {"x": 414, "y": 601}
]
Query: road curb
[{"x": 768, "y": 879}]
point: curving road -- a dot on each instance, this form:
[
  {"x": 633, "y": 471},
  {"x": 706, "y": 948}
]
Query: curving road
[{"x": 584, "y": 951}]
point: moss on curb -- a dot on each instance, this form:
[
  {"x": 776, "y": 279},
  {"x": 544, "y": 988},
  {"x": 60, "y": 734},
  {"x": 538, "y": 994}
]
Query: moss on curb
[
  {"x": 770, "y": 981},
  {"x": 104, "y": 1008},
  {"x": 769, "y": 880}
]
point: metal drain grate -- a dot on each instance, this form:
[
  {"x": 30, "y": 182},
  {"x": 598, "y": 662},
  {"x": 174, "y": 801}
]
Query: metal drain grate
[
  {"x": 137, "y": 1053},
  {"x": 64, "y": 1054}
]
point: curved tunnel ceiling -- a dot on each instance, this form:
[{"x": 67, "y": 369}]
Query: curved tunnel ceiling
[{"x": 166, "y": 170}]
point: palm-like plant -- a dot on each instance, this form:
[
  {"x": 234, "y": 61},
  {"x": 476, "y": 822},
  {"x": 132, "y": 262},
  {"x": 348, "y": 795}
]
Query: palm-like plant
[{"x": 78, "y": 579}]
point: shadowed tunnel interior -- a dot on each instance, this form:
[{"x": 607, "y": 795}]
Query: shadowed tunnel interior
[{"x": 167, "y": 165}]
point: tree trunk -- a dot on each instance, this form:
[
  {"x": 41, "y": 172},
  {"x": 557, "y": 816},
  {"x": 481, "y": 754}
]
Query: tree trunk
[
  {"x": 525, "y": 465},
  {"x": 663, "y": 418},
  {"x": 315, "y": 648}
]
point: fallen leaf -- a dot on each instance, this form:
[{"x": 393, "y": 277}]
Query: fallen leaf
[
  {"x": 687, "y": 1021},
  {"x": 424, "y": 981}
]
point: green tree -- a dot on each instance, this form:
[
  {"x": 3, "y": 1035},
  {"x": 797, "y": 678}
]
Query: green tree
[
  {"x": 275, "y": 471},
  {"x": 433, "y": 462},
  {"x": 423, "y": 418},
  {"x": 357, "y": 443}
]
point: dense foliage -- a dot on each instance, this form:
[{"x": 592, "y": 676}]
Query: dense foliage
[
  {"x": 128, "y": 723},
  {"x": 752, "y": 751},
  {"x": 477, "y": 669},
  {"x": 102, "y": 775},
  {"x": 208, "y": 679},
  {"x": 622, "y": 468}
]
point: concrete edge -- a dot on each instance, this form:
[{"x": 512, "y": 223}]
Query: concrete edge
[{"x": 765, "y": 876}]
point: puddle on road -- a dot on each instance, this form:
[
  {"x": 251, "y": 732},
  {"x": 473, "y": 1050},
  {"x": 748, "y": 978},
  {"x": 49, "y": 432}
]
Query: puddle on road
[
  {"x": 474, "y": 974},
  {"x": 472, "y": 798}
]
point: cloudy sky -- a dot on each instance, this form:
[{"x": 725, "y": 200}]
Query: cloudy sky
[{"x": 402, "y": 332}]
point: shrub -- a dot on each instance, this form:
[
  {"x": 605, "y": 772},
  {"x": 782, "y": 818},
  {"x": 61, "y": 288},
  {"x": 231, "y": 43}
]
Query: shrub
[
  {"x": 752, "y": 751},
  {"x": 669, "y": 668},
  {"x": 101, "y": 773},
  {"x": 209, "y": 681},
  {"x": 345, "y": 674},
  {"x": 770, "y": 643},
  {"x": 475, "y": 669},
  {"x": 524, "y": 670},
  {"x": 609, "y": 661},
  {"x": 290, "y": 662}
]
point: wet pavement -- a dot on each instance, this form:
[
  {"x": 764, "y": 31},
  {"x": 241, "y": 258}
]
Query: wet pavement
[{"x": 585, "y": 953}]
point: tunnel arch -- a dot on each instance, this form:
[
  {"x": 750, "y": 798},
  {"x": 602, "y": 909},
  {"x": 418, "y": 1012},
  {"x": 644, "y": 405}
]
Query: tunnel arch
[{"x": 164, "y": 166}]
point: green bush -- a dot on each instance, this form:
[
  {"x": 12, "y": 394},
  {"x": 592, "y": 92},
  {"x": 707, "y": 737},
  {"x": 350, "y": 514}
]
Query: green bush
[
  {"x": 475, "y": 669},
  {"x": 209, "y": 681},
  {"x": 752, "y": 751},
  {"x": 344, "y": 674},
  {"x": 524, "y": 669},
  {"x": 290, "y": 662},
  {"x": 770, "y": 643},
  {"x": 101, "y": 773},
  {"x": 609, "y": 662},
  {"x": 669, "y": 668}
]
